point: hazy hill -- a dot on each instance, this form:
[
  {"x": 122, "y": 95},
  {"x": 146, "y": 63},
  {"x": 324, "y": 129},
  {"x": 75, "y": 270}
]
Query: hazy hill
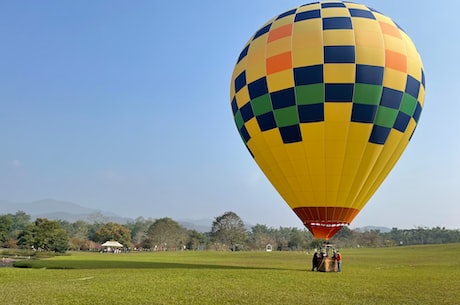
[
  {"x": 71, "y": 212},
  {"x": 59, "y": 210}
]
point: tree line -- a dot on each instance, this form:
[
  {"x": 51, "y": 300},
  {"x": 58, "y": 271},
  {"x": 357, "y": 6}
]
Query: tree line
[{"x": 228, "y": 232}]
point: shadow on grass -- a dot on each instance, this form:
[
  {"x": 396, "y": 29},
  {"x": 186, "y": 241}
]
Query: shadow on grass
[{"x": 87, "y": 264}]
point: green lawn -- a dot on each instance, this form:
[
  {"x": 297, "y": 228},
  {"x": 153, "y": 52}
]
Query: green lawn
[{"x": 403, "y": 275}]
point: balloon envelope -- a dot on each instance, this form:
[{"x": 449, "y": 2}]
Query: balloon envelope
[{"x": 326, "y": 97}]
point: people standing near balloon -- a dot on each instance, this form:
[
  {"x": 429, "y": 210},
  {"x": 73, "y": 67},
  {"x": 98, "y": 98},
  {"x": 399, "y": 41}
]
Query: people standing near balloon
[
  {"x": 315, "y": 261},
  {"x": 338, "y": 257}
]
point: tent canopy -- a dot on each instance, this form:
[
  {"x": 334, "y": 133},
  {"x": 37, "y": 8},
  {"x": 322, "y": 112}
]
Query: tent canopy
[{"x": 112, "y": 243}]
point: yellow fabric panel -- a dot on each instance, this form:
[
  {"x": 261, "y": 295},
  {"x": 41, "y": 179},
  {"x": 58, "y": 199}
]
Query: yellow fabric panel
[
  {"x": 280, "y": 80},
  {"x": 259, "y": 43},
  {"x": 366, "y": 38},
  {"x": 253, "y": 127},
  {"x": 413, "y": 68},
  {"x": 337, "y": 122},
  {"x": 394, "y": 44},
  {"x": 335, "y": 154},
  {"x": 337, "y": 112},
  {"x": 410, "y": 47},
  {"x": 314, "y": 144},
  {"x": 335, "y": 145},
  {"x": 339, "y": 73},
  {"x": 279, "y": 46},
  {"x": 421, "y": 96},
  {"x": 307, "y": 57},
  {"x": 242, "y": 97},
  {"x": 262, "y": 145},
  {"x": 312, "y": 131},
  {"x": 317, "y": 153},
  {"x": 338, "y": 37},
  {"x": 370, "y": 56},
  {"x": 410, "y": 129},
  {"x": 309, "y": 25},
  {"x": 255, "y": 66},
  {"x": 414, "y": 62},
  {"x": 319, "y": 185},
  {"x": 358, "y": 134},
  {"x": 371, "y": 153},
  {"x": 335, "y": 12},
  {"x": 255, "y": 71},
  {"x": 301, "y": 175},
  {"x": 394, "y": 79},
  {"x": 307, "y": 43},
  {"x": 307, "y": 33},
  {"x": 364, "y": 24},
  {"x": 392, "y": 150},
  {"x": 273, "y": 138},
  {"x": 290, "y": 183}
]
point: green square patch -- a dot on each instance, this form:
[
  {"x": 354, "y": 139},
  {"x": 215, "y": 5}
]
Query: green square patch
[
  {"x": 367, "y": 94},
  {"x": 386, "y": 117},
  {"x": 309, "y": 94},
  {"x": 261, "y": 104},
  {"x": 239, "y": 119},
  {"x": 286, "y": 116},
  {"x": 408, "y": 104}
]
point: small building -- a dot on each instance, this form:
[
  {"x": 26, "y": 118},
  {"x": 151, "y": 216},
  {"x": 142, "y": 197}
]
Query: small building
[
  {"x": 268, "y": 248},
  {"x": 112, "y": 246}
]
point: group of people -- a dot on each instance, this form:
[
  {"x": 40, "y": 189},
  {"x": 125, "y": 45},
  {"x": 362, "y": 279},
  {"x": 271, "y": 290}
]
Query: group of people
[{"x": 319, "y": 258}]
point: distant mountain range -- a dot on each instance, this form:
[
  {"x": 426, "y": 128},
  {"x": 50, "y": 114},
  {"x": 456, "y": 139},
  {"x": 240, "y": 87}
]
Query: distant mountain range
[
  {"x": 71, "y": 212},
  {"x": 63, "y": 210}
]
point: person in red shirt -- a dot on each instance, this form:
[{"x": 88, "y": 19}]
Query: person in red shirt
[{"x": 339, "y": 261}]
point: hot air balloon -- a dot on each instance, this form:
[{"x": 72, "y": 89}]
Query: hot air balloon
[{"x": 326, "y": 97}]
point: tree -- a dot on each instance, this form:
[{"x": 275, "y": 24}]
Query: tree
[
  {"x": 79, "y": 233},
  {"x": 196, "y": 240},
  {"x": 79, "y": 229},
  {"x": 139, "y": 230},
  {"x": 229, "y": 230},
  {"x": 166, "y": 233},
  {"x": 20, "y": 221},
  {"x": 113, "y": 231},
  {"x": 6, "y": 222},
  {"x": 261, "y": 235},
  {"x": 45, "y": 234},
  {"x": 298, "y": 239}
]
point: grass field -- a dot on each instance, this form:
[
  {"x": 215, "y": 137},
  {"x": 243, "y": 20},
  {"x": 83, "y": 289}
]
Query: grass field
[{"x": 404, "y": 275}]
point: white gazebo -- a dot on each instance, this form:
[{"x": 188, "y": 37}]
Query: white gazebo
[{"x": 112, "y": 246}]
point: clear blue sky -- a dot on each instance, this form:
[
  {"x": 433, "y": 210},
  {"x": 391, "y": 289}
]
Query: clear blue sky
[{"x": 124, "y": 106}]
